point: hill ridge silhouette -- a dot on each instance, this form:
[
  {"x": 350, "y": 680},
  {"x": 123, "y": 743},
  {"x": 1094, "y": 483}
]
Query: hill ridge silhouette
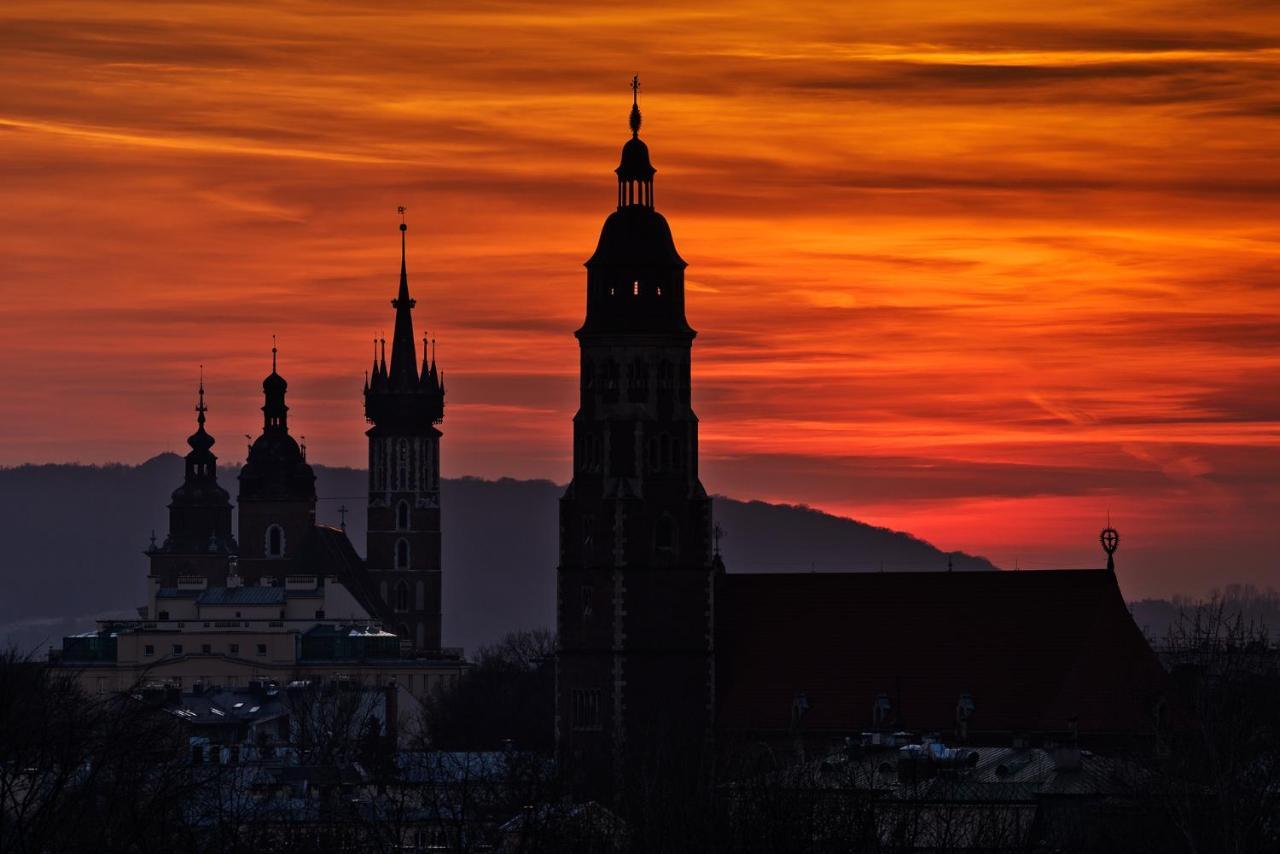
[{"x": 74, "y": 536}]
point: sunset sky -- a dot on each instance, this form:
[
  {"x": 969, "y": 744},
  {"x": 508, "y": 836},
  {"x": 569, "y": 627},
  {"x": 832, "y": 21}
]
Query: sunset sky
[{"x": 982, "y": 271}]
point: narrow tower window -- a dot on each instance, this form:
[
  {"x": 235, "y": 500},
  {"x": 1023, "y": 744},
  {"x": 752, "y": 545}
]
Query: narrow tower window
[
  {"x": 275, "y": 541},
  {"x": 402, "y": 597},
  {"x": 402, "y": 554},
  {"x": 665, "y": 534},
  {"x": 402, "y": 464},
  {"x": 402, "y": 516}
]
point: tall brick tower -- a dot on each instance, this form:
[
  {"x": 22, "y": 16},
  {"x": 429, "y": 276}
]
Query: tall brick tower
[
  {"x": 636, "y": 580},
  {"x": 404, "y": 404}
]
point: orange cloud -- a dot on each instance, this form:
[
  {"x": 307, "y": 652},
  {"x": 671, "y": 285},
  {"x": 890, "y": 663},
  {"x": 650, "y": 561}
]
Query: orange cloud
[{"x": 976, "y": 270}]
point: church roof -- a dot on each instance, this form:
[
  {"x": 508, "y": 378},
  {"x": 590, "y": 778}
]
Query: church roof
[
  {"x": 329, "y": 552},
  {"x": 1033, "y": 650}
]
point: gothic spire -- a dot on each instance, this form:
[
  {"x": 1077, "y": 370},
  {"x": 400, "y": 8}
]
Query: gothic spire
[{"x": 404, "y": 369}]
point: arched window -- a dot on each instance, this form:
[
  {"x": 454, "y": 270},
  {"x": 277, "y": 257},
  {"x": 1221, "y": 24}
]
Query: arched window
[
  {"x": 402, "y": 554},
  {"x": 275, "y": 541},
  {"x": 402, "y": 516},
  {"x": 402, "y": 597}
]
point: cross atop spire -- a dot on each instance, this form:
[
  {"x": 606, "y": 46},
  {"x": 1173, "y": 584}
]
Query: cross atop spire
[{"x": 635, "y": 105}]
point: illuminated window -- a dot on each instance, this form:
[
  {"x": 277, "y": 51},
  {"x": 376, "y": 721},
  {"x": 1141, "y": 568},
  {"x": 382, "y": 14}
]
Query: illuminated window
[{"x": 635, "y": 289}]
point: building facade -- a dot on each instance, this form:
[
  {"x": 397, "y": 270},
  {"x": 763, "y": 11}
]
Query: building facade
[
  {"x": 289, "y": 596},
  {"x": 636, "y": 578},
  {"x": 669, "y": 667},
  {"x": 404, "y": 405}
]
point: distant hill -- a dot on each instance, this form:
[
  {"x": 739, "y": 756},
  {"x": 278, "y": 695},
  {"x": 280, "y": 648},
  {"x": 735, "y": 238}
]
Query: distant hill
[{"x": 73, "y": 537}]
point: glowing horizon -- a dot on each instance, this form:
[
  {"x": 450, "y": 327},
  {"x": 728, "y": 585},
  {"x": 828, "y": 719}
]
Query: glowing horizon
[{"x": 973, "y": 271}]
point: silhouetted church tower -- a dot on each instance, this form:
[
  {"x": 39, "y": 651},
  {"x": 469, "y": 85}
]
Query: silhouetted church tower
[
  {"x": 403, "y": 549},
  {"x": 277, "y": 492},
  {"x": 199, "y": 542},
  {"x": 636, "y": 577}
]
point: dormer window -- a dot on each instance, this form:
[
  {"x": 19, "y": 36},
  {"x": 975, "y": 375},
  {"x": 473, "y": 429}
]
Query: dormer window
[
  {"x": 402, "y": 516},
  {"x": 275, "y": 541}
]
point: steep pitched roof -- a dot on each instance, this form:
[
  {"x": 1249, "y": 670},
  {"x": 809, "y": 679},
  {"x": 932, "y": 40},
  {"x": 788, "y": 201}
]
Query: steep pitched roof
[
  {"x": 329, "y": 552},
  {"x": 1033, "y": 649}
]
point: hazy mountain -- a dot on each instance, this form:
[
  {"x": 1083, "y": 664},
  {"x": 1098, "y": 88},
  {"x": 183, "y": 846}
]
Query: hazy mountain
[{"x": 73, "y": 538}]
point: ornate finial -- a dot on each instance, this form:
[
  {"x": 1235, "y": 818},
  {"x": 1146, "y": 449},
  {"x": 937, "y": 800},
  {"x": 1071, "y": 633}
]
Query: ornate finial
[
  {"x": 342, "y": 514},
  {"x": 201, "y": 409},
  {"x": 273, "y": 354},
  {"x": 718, "y": 533},
  {"x": 1110, "y": 539},
  {"x": 302, "y": 446},
  {"x": 153, "y": 539},
  {"x": 400, "y": 210},
  {"x": 635, "y": 105}
]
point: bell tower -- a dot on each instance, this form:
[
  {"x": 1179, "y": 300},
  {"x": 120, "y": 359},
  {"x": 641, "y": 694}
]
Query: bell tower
[
  {"x": 404, "y": 404},
  {"x": 277, "y": 492},
  {"x": 199, "y": 542},
  {"x": 636, "y": 579}
]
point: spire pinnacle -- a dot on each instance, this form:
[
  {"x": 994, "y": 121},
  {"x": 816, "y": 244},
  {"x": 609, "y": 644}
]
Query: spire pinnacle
[
  {"x": 635, "y": 105},
  {"x": 273, "y": 353},
  {"x": 201, "y": 409}
]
